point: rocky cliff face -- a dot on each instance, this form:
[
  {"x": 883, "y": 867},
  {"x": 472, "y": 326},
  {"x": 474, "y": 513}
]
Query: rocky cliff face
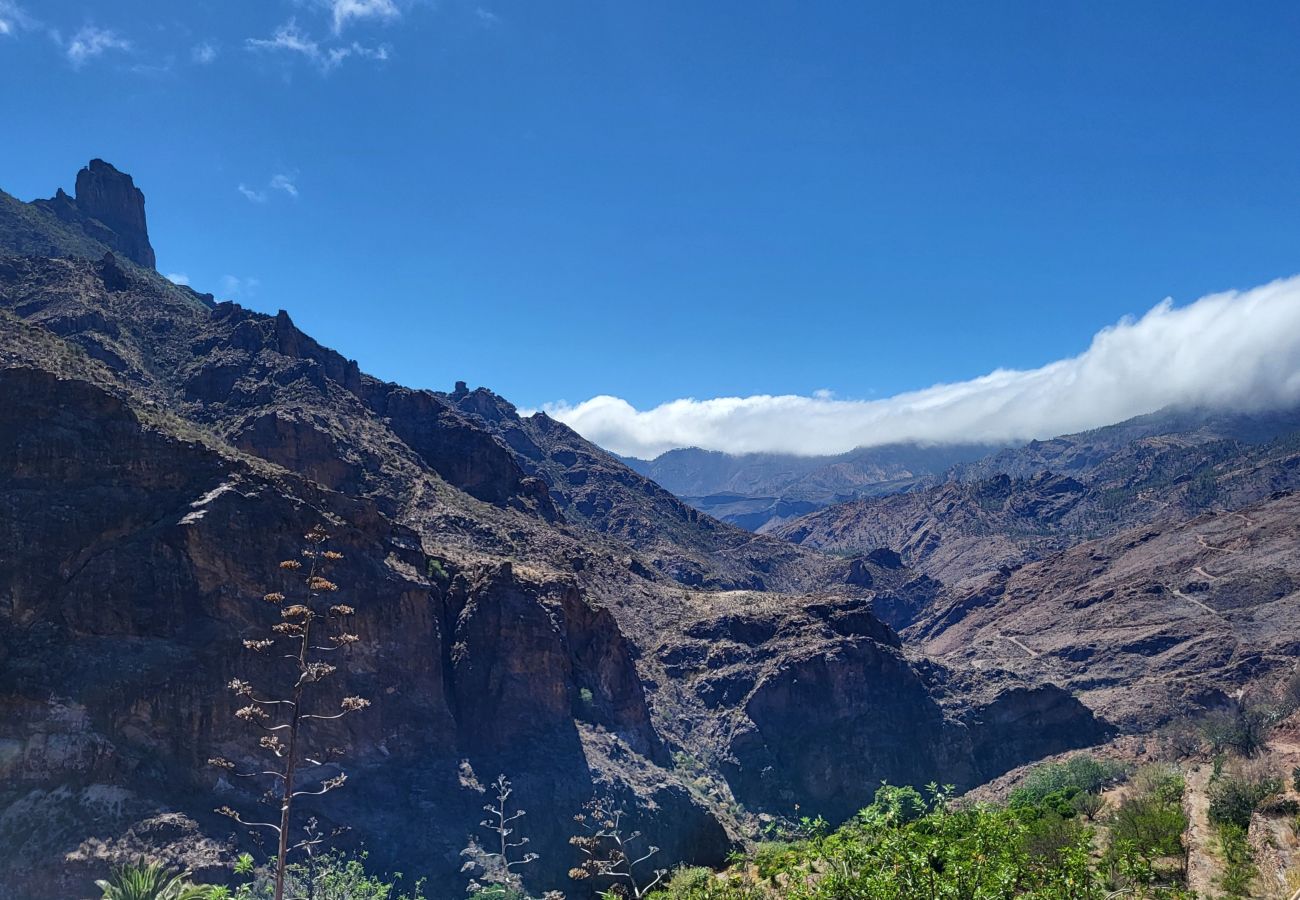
[
  {"x": 526, "y": 605},
  {"x": 109, "y": 208}
]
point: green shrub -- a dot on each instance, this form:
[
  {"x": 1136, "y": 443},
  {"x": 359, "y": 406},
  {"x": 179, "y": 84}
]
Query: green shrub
[
  {"x": 327, "y": 876},
  {"x": 1238, "y": 861},
  {"x": 1088, "y": 805},
  {"x": 1078, "y": 774},
  {"x": 687, "y": 883},
  {"x": 1234, "y": 798},
  {"x": 1150, "y": 826},
  {"x": 893, "y": 806},
  {"x": 1163, "y": 781}
]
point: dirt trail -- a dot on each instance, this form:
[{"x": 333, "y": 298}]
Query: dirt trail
[
  {"x": 1200, "y": 539},
  {"x": 1209, "y": 609},
  {"x": 1204, "y": 574},
  {"x": 1006, "y": 637},
  {"x": 1202, "y": 865}
]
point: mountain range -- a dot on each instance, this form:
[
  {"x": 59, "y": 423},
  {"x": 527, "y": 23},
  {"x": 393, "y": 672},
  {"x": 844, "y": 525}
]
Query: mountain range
[{"x": 530, "y": 604}]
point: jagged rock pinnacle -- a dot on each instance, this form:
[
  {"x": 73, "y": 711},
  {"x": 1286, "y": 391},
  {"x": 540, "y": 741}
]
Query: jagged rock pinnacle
[{"x": 111, "y": 196}]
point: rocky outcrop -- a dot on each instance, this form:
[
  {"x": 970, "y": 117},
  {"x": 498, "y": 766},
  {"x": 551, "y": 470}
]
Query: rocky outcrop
[{"x": 109, "y": 208}]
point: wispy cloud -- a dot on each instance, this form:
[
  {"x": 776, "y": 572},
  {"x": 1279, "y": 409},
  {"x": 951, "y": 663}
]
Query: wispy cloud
[
  {"x": 178, "y": 278},
  {"x": 289, "y": 38},
  {"x": 204, "y": 54},
  {"x": 487, "y": 16},
  {"x": 234, "y": 287},
  {"x": 252, "y": 195},
  {"x": 344, "y": 11},
  {"x": 1238, "y": 350},
  {"x": 284, "y": 183},
  {"x": 13, "y": 18},
  {"x": 92, "y": 42}
]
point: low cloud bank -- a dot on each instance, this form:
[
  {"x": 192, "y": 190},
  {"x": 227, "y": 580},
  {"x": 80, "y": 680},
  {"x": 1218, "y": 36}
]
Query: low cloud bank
[{"x": 1237, "y": 350}]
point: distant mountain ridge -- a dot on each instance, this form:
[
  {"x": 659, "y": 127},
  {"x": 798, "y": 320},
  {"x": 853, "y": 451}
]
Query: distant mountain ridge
[{"x": 758, "y": 491}]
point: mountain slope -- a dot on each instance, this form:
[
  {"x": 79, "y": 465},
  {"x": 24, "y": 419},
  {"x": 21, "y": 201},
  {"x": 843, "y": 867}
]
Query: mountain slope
[
  {"x": 1020, "y": 505},
  {"x": 526, "y": 604}
]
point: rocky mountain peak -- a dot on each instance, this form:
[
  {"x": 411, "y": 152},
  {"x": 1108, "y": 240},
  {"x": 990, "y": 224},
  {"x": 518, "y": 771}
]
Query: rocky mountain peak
[
  {"x": 109, "y": 208},
  {"x": 111, "y": 196}
]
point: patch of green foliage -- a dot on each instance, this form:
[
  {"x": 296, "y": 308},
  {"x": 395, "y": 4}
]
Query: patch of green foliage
[
  {"x": 1234, "y": 798},
  {"x": 152, "y": 881},
  {"x": 909, "y": 847},
  {"x": 1056, "y": 784},
  {"x": 326, "y": 876},
  {"x": 1238, "y": 861}
]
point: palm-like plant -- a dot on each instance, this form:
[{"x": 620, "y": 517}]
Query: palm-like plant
[{"x": 151, "y": 881}]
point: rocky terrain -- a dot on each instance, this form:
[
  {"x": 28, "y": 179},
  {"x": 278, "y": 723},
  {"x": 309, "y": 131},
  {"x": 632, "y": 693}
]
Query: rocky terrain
[
  {"x": 526, "y": 603},
  {"x": 1019, "y": 505}
]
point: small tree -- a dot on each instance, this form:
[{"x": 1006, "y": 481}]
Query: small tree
[
  {"x": 608, "y": 851},
  {"x": 495, "y": 869},
  {"x": 310, "y": 631}
]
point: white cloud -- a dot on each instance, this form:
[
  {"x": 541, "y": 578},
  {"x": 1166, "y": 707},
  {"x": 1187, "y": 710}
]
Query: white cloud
[
  {"x": 204, "y": 54},
  {"x": 178, "y": 278},
  {"x": 252, "y": 195},
  {"x": 291, "y": 39},
  {"x": 345, "y": 11},
  {"x": 487, "y": 16},
  {"x": 233, "y": 287},
  {"x": 92, "y": 42},
  {"x": 1238, "y": 350},
  {"x": 284, "y": 183}
]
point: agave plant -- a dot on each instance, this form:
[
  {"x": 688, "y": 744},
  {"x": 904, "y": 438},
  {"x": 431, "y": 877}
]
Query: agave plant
[{"x": 151, "y": 881}]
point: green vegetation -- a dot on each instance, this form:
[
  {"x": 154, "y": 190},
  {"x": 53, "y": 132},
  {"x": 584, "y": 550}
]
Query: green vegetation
[
  {"x": 153, "y": 881},
  {"x": 324, "y": 876},
  {"x": 1238, "y": 861},
  {"x": 907, "y": 847},
  {"x": 1056, "y": 783},
  {"x": 1234, "y": 798}
]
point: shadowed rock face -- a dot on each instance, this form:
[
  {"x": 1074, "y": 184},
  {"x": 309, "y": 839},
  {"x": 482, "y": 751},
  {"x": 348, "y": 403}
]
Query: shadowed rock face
[
  {"x": 111, "y": 196},
  {"x": 109, "y": 208}
]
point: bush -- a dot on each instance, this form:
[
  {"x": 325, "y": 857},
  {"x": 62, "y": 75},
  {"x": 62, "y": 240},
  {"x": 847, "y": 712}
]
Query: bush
[
  {"x": 1238, "y": 861},
  {"x": 1078, "y": 774},
  {"x": 1049, "y": 836},
  {"x": 1088, "y": 805},
  {"x": 1151, "y": 826},
  {"x": 328, "y": 876},
  {"x": 893, "y": 806},
  {"x": 1160, "y": 780},
  {"x": 687, "y": 883},
  {"x": 1234, "y": 798}
]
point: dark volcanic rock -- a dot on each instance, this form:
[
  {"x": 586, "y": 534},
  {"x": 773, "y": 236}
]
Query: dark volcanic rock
[{"x": 109, "y": 208}]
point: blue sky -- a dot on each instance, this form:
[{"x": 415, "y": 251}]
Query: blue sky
[{"x": 679, "y": 199}]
